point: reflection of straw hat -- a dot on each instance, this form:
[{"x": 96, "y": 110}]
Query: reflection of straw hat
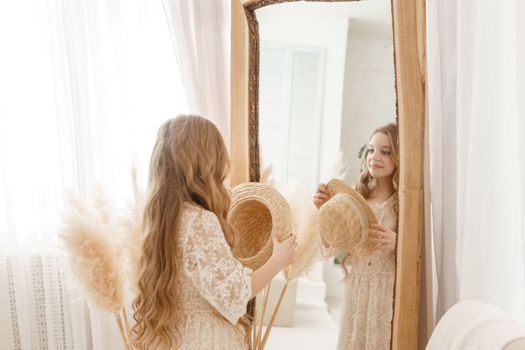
[
  {"x": 257, "y": 211},
  {"x": 345, "y": 218}
]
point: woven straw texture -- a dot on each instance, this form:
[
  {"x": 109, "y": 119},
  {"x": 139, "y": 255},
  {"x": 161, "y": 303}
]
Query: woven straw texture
[
  {"x": 344, "y": 219},
  {"x": 336, "y": 186},
  {"x": 257, "y": 210}
]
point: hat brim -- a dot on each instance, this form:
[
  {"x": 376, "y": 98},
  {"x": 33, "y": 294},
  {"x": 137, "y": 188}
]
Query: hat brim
[
  {"x": 257, "y": 212},
  {"x": 335, "y": 186},
  {"x": 343, "y": 222}
]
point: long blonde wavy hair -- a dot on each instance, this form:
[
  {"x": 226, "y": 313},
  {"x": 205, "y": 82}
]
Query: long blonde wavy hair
[
  {"x": 189, "y": 164},
  {"x": 366, "y": 182}
]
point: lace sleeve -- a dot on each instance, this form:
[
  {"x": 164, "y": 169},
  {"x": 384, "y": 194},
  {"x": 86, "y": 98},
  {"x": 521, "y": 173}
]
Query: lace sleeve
[{"x": 218, "y": 276}]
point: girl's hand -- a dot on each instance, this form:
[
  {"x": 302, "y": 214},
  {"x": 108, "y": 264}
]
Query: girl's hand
[
  {"x": 321, "y": 195},
  {"x": 382, "y": 237},
  {"x": 284, "y": 252}
]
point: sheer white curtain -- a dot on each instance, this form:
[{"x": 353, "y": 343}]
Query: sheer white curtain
[
  {"x": 201, "y": 33},
  {"x": 84, "y": 85},
  {"x": 477, "y": 151}
]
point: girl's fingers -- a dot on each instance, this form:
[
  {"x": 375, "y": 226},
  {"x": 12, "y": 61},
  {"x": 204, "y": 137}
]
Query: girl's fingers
[
  {"x": 378, "y": 227},
  {"x": 381, "y": 233},
  {"x": 379, "y": 240},
  {"x": 320, "y": 198},
  {"x": 322, "y": 187},
  {"x": 385, "y": 245},
  {"x": 375, "y": 233}
]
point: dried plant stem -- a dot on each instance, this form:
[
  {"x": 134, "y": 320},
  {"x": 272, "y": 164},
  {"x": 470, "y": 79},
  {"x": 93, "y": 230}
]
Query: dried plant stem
[
  {"x": 254, "y": 328},
  {"x": 126, "y": 323},
  {"x": 263, "y": 313},
  {"x": 272, "y": 319},
  {"x": 121, "y": 330}
]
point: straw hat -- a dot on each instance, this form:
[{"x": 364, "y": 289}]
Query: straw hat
[
  {"x": 256, "y": 211},
  {"x": 345, "y": 218}
]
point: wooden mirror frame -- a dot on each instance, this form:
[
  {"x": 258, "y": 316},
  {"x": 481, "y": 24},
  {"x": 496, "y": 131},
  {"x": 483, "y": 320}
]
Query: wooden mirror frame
[{"x": 408, "y": 19}]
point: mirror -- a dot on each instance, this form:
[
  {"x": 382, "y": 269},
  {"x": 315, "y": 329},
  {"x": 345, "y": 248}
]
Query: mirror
[
  {"x": 299, "y": 98},
  {"x": 326, "y": 82}
]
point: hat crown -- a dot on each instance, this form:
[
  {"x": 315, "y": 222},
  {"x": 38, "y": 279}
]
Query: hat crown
[{"x": 345, "y": 218}]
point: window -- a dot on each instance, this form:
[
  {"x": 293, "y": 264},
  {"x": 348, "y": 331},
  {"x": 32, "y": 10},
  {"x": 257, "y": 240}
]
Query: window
[{"x": 291, "y": 89}]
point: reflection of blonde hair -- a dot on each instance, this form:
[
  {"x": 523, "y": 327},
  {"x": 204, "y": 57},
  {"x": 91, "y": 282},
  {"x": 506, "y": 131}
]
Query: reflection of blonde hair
[
  {"x": 189, "y": 164},
  {"x": 365, "y": 183}
]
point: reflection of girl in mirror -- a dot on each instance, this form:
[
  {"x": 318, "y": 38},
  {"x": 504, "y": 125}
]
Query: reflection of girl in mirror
[
  {"x": 192, "y": 292},
  {"x": 368, "y": 298}
]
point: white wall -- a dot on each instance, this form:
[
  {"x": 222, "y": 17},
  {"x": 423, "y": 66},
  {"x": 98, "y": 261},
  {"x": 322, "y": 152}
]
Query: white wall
[{"x": 369, "y": 93}]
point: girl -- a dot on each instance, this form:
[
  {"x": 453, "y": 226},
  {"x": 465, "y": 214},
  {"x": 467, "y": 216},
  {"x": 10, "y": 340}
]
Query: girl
[
  {"x": 192, "y": 291},
  {"x": 367, "y": 309}
]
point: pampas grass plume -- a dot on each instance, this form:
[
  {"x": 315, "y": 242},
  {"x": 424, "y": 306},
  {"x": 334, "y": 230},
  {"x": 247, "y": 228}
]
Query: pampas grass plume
[
  {"x": 267, "y": 175},
  {"x": 339, "y": 168},
  {"x": 88, "y": 236},
  {"x": 305, "y": 221},
  {"x": 306, "y": 228}
]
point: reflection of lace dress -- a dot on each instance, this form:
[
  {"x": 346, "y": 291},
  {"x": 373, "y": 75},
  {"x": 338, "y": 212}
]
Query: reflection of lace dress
[
  {"x": 214, "y": 286},
  {"x": 367, "y": 309}
]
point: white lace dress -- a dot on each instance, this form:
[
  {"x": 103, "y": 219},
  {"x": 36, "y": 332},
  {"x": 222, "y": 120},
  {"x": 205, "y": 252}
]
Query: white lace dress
[
  {"x": 214, "y": 286},
  {"x": 367, "y": 308}
]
